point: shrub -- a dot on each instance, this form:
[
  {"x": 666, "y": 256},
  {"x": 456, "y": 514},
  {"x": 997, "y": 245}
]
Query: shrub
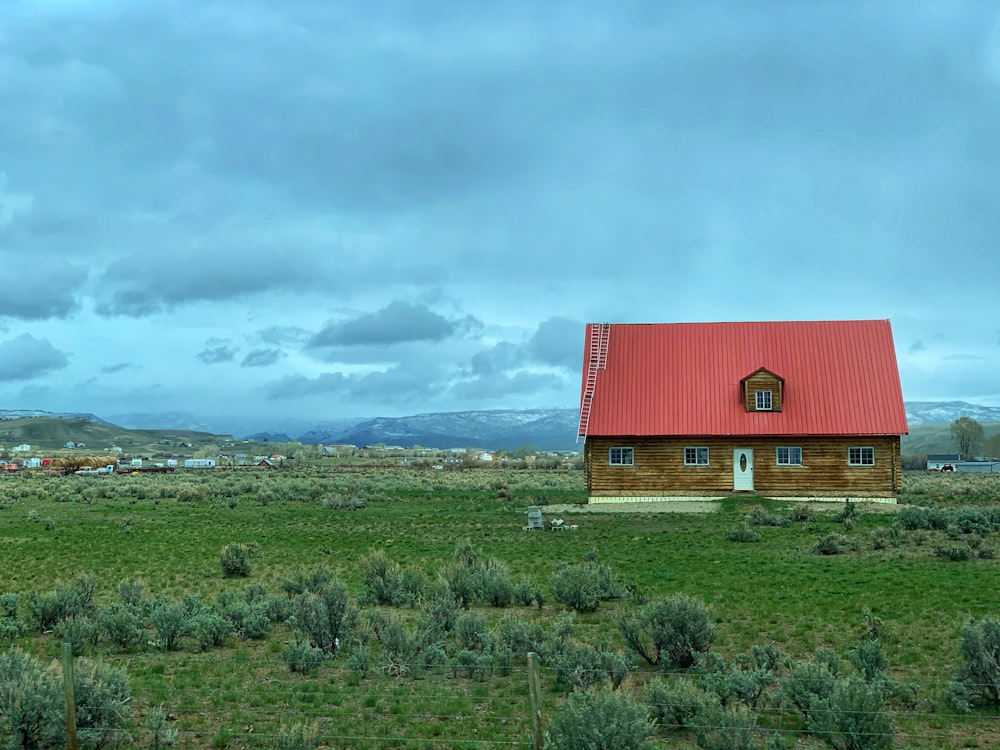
[
  {"x": 810, "y": 683},
  {"x": 45, "y": 611},
  {"x": 296, "y": 737},
  {"x": 978, "y": 679},
  {"x": 235, "y": 560},
  {"x": 576, "y": 665},
  {"x": 801, "y": 512},
  {"x": 831, "y": 544},
  {"x": 470, "y": 630},
  {"x": 121, "y": 625},
  {"x": 161, "y": 733},
  {"x": 598, "y": 721},
  {"x": 78, "y": 632},
  {"x": 725, "y": 728},
  {"x": 912, "y": 518},
  {"x": 744, "y": 680},
  {"x": 675, "y": 703},
  {"x": 33, "y": 702},
  {"x": 384, "y": 581},
  {"x": 171, "y": 623},
  {"x": 853, "y": 718},
  {"x": 405, "y": 649},
  {"x": 526, "y": 593},
  {"x": 359, "y": 661},
  {"x": 441, "y": 611},
  {"x": 742, "y": 533},
  {"x": 300, "y": 657},
  {"x": 320, "y": 616},
  {"x": 584, "y": 586},
  {"x": 954, "y": 552},
  {"x": 521, "y": 637},
  {"x": 670, "y": 632},
  {"x": 971, "y": 521},
  {"x": 496, "y": 586},
  {"x": 210, "y": 629},
  {"x": 760, "y": 517},
  {"x": 8, "y": 605},
  {"x": 131, "y": 592}
]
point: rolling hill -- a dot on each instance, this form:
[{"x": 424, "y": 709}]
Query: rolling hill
[{"x": 51, "y": 433}]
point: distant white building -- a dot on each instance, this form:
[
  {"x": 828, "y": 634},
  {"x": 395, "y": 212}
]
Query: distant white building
[
  {"x": 33, "y": 463},
  {"x": 23, "y": 448},
  {"x": 199, "y": 463},
  {"x": 937, "y": 461}
]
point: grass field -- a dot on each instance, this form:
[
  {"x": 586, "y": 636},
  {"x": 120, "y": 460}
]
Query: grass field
[{"x": 167, "y": 532}]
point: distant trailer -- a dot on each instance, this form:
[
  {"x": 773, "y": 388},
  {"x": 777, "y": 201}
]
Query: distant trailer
[
  {"x": 199, "y": 463},
  {"x": 978, "y": 467}
]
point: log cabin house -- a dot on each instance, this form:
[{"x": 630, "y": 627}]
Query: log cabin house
[{"x": 796, "y": 409}]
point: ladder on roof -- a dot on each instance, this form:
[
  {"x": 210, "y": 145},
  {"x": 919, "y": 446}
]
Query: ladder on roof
[{"x": 600, "y": 334}]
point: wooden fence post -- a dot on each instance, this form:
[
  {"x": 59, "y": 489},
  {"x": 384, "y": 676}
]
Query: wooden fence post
[
  {"x": 67, "y": 670},
  {"x": 536, "y": 714}
]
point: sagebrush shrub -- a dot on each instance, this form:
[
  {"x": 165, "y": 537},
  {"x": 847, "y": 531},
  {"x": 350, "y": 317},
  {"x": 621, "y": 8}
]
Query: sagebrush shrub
[
  {"x": 742, "y": 533},
  {"x": 853, "y": 717},
  {"x": 210, "y": 629},
  {"x": 978, "y": 679},
  {"x": 598, "y": 721},
  {"x": 171, "y": 623},
  {"x": 670, "y": 632},
  {"x": 831, "y": 544},
  {"x": 496, "y": 586},
  {"x": 33, "y": 703},
  {"x": 235, "y": 560},
  {"x": 320, "y": 615},
  {"x": 303, "y": 658},
  {"x": 8, "y": 604},
  {"x": 526, "y": 593},
  {"x": 675, "y": 703},
  {"x": 296, "y": 737},
  {"x": 744, "y": 680},
  {"x": 121, "y": 626},
  {"x": 584, "y": 586},
  {"x": 725, "y": 727}
]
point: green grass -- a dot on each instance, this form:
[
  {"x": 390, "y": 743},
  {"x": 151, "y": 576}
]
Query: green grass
[{"x": 775, "y": 590}]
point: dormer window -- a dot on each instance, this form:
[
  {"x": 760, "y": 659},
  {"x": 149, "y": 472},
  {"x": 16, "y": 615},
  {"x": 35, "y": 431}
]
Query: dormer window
[{"x": 762, "y": 390}]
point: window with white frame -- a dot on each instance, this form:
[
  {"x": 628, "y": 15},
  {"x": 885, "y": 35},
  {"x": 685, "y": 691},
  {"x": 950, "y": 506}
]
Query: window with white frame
[
  {"x": 860, "y": 456},
  {"x": 790, "y": 456},
  {"x": 763, "y": 401},
  {"x": 621, "y": 456},
  {"x": 696, "y": 456}
]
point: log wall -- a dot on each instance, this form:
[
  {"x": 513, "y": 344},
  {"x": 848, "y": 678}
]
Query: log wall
[{"x": 659, "y": 468}]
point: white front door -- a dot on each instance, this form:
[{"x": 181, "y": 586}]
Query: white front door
[{"x": 743, "y": 469}]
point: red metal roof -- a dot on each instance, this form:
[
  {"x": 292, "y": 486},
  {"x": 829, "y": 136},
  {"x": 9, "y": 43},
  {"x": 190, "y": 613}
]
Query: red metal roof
[{"x": 673, "y": 379}]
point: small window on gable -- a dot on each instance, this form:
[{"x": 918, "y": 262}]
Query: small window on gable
[
  {"x": 791, "y": 456},
  {"x": 860, "y": 456},
  {"x": 621, "y": 456},
  {"x": 763, "y": 401},
  {"x": 696, "y": 456}
]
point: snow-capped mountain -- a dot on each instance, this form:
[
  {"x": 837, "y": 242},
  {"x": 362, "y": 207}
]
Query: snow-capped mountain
[
  {"x": 946, "y": 412},
  {"x": 551, "y": 429}
]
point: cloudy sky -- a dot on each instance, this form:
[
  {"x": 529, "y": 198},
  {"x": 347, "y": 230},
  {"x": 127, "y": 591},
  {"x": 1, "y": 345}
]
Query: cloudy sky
[{"x": 322, "y": 209}]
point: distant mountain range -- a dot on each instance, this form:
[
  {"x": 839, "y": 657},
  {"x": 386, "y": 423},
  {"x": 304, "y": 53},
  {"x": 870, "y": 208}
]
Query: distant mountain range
[
  {"x": 551, "y": 429},
  {"x": 946, "y": 412}
]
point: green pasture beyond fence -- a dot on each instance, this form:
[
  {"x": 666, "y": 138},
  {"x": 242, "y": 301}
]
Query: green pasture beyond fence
[{"x": 921, "y": 574}]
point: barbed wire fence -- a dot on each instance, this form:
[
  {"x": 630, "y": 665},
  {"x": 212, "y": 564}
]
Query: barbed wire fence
[{"x": 448, "y": 713}]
